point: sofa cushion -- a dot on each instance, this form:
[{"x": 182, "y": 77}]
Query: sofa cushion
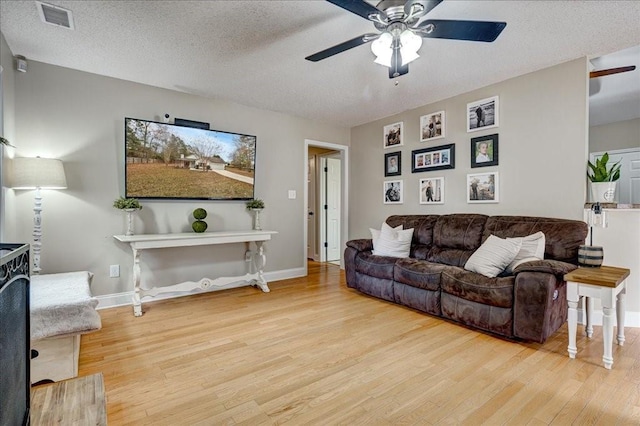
[
  {"x": 418, "y": 273},
  {"x": 478, "y": 315},
  {"x": 422, "y": 225},
  {"x": 478, "y": 288},
  {"x": 493, "y": 256},
  {"x": 563, "y": 237},
  {"x": 375, "y": 266},
  {"x": 459, "y": 231},
  {"x": 446, "y": 256}
]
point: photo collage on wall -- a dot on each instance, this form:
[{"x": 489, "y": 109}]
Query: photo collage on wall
[{"x": 480, "y": 187}]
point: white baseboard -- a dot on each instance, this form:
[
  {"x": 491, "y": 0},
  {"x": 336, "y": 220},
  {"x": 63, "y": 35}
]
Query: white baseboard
[
  {"x": 124, "y": 299},
  {"x": 631, "y": 319}
]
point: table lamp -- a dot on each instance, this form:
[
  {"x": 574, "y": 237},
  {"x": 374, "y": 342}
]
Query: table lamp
[
  {"x": 37, "y": 173},
  {"x": 590, "y": 255}
]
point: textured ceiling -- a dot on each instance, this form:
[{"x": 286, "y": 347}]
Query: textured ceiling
[{"x": 252, "y": 52}]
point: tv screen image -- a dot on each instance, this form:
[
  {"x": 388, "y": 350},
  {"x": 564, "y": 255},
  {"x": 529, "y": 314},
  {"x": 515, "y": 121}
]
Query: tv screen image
[{"x": 166, "y": 161}]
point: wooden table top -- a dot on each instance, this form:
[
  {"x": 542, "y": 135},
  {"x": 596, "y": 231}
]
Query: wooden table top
[
  {"x": 605, "y": 276},
  {"x": 79, "y": 401}
]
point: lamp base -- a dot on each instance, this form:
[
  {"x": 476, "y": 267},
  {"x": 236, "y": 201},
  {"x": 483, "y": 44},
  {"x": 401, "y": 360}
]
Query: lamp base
[{"x": 590, "y": 256}]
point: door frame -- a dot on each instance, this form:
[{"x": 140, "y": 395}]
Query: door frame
[
  {"x": 324, "y": 218},
  {"x": 343, "y": 150}
]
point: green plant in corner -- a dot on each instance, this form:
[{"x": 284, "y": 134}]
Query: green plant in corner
[
  {"x": 600, "y": 172},
  {"x": 255, "y": 204},
  {"x": 123, "y": 203}
]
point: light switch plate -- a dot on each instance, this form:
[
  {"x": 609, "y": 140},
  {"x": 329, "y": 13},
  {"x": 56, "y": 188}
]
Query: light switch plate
[
  {"x": 292, "y": 194},
  {"x": 114, "y": 271}
]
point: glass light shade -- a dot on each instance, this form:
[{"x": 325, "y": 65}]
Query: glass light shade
[
  {"x": 43, "y": 173},
  {"x": 598, "y": 217},
  {"x": 410, "y": 44},
  {"x": 381, "y": 47}
]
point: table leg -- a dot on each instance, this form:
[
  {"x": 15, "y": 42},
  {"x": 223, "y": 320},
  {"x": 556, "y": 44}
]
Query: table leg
[
  {"x": 620, "y": 314},
  {"x": 137, "y": 303},
  {"x": 572, "y": 300},
  {"x": 588, "y": 312},
  {"x": 607, "y": 336},
  {"x": 262, "y": 260}
]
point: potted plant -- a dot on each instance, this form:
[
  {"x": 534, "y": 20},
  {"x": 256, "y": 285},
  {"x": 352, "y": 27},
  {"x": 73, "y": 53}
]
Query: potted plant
[
  {"x": 603, "y": 179},
  {"x": 256, "y": 205},
  {"x": 129, "y": 205}
]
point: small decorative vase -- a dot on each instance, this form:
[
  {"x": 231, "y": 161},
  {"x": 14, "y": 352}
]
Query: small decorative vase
[
  {"x": 590, "y": 256},
  {"x": 256, "y": 222},
  {"x": 603, "y": 192},
  {"x": 130, "y": 213}
]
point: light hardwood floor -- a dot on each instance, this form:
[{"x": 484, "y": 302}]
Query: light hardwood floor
[{"x": 315, "y": 352}]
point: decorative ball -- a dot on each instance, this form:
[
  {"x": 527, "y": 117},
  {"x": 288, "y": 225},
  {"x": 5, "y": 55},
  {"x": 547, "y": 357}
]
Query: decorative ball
[
  {"x": 199, "y": 226},
  {"x": 199, "y": 213}
]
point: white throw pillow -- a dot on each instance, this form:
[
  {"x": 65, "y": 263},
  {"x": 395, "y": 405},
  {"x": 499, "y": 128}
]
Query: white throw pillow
[
  {"x": 532, "y": 249},
  {"x": 393, "y": 242},
  {"x": 493, "y": 256},
  {"x": 375, "y": 233}
]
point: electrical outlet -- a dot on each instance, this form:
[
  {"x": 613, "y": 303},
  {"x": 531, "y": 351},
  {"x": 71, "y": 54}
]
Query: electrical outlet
[{"x": 114, "y": 271}]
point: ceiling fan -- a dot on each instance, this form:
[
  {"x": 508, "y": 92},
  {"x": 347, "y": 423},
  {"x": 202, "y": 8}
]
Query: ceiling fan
[
  {"x": 610, "y": 71},
  {"x": 402, "y": 31}
]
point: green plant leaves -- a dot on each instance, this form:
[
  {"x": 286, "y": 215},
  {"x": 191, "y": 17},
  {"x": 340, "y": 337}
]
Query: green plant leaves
[{"x": 599, "y": 171}]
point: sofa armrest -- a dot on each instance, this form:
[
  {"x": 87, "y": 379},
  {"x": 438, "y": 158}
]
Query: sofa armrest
[
  {"x": 361, "y": 245},
  {"x": 554, "y": 267}
]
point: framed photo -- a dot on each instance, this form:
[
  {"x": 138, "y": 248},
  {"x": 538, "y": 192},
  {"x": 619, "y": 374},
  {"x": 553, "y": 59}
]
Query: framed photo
[
  {"x": 392, "y": 192},
  {"x": 432, "y": 191},
  {"x": 482, "y": 114},
  {"x": 484, "y": 151},
  {"x": 483, "y": 188},
  {"x": 393, "y": 135},
  {"x": 393, "y": 164},
  {"x": 432, "y": 126},
  {"x": 435, "y": 158}
]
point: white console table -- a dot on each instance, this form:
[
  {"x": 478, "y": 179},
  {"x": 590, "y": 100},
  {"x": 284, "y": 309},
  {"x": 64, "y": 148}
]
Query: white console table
[{"x": 256, "y": 259}]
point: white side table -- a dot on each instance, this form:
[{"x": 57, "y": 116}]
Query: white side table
[{"x": 608, "y": 284}]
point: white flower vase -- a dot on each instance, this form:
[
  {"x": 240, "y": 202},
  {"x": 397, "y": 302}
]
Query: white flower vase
[
  {"x": 130, "y": 213},
  {"x": 256, "y": 219},
  {"x": 603, "y": 192}
]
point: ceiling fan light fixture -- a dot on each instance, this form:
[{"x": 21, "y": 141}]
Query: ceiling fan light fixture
[
  {"x": 382, "y": 48},
  {"x": 410, "y": 43}
]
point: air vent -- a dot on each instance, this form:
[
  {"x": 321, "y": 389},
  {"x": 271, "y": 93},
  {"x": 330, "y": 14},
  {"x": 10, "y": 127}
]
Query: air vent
[{"x": 55, "y": 15}]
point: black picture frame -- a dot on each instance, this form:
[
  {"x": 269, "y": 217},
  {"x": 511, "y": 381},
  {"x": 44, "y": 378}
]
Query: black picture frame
[
  {"x": 435, "y": 158},
  {"x": 389, "y": 169},
  {"x": 478, "y": 158}
]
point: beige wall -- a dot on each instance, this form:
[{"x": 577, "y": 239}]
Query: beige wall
[
  {"x": 612, "y": 136},
  {"x": 542, "y": 151},
  {"x": 79, "y": 118}
]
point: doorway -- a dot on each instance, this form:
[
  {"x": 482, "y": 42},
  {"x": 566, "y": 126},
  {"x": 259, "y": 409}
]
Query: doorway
[{"x": 326, "y": 205}]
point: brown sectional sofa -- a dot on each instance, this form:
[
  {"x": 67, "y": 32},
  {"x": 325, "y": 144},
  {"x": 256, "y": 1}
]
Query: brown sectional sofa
[{"x": 528, "y": 305}]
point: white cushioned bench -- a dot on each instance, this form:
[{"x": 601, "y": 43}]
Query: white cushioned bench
[{"x": 62, "y": 308}]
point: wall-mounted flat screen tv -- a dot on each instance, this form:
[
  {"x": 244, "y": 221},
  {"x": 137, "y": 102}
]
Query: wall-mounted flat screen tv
[{"x": 165, "y": 161}]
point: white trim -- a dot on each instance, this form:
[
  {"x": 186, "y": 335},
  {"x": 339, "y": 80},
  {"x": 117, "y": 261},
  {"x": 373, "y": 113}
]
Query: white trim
[
  {"x": 126, "y": 299},
  {"x": 631, "y": 319},
  {"x": 344, "y": 217}
]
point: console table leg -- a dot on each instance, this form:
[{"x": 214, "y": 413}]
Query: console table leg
[
  {"x": 137, "y": 302},
  {"x": 262, "y": 260},
  {"x": 588, "y": 312},
  {"x": 607, "y": 336},
  {"x": 573, "y": 325},
  {"x": 620, "y": 315}
]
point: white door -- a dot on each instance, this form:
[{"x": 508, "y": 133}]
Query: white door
[
  {"x": 628, "y": 187},
  {"x": 311, "y": 209},
  {"x": 333, "y": 209}
]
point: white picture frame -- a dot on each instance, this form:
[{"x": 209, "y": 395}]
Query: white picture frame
[
  {"x": 483, "y": 188},
  {"x": 432, "y": 126},
  {"x": 483, "y": 114},
  {"x": 392, "y": 192},
  {"x": 393, "y": 135},
  {"x": 433, "y": 196}
]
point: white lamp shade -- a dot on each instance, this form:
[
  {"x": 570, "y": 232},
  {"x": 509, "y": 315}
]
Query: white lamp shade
[
  {"x": 410, "y": 44},
  {"x": 43, "y": 173},
  {"x": 381, "y": 47}
]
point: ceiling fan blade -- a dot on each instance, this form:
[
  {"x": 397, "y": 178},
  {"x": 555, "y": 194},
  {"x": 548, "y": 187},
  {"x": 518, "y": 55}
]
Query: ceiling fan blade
[
  {"x": 460, "y": 30},
  {"x": 602, "y": 73},
  {"x": 338, "y": 48},
  {"x": 359, "y": 7}
]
